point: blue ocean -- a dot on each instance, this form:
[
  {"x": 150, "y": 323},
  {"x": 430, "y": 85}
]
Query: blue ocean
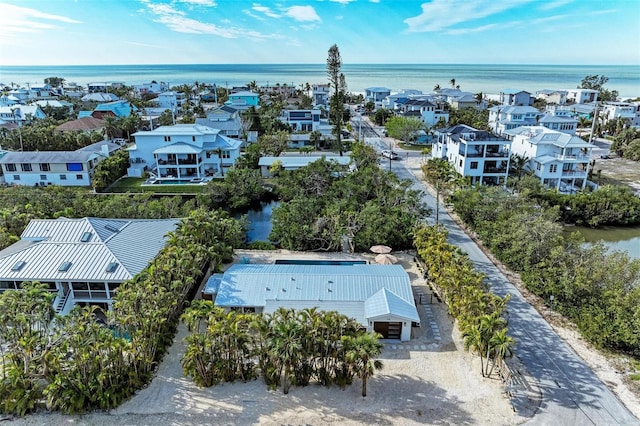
[{"x": 473, "y": 78}]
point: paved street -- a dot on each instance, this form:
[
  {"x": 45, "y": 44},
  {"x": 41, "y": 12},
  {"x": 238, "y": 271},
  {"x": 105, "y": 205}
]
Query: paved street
[{"x": 571, "y": 392}]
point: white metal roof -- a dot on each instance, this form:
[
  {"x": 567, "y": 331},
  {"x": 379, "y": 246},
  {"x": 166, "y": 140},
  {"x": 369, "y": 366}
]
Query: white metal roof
[
  {"x": 325, "y": 286},
  {"x": 178, "y": 148},
  {"x": 89, "y": 244},
  {"x": 301, "y": 161}
]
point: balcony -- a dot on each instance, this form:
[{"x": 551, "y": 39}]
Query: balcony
[
  {"x": 494, "y": 170},
  {"x": 574, "y": 173},
  {"x": 583, "y": 158}
]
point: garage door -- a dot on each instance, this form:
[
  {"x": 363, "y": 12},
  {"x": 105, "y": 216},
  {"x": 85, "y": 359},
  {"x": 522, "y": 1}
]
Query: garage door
[{"x": 388, "y": 330}]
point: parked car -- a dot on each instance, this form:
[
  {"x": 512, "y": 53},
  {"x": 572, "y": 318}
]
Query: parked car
[{"x": 389, "y": 154}]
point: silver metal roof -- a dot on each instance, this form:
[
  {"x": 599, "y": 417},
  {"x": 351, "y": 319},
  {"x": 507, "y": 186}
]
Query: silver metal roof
[
  {"x": 268, "y": 285},
  {"x": 47, "y": 243}
]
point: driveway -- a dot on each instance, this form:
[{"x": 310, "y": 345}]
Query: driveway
[{"x": 572, "y": 394}]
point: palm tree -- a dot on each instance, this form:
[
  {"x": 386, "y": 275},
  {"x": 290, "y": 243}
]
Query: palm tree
[
  {"x": 436, "y": 87},
  {"x": 439, "y": 173},
  {"x": 361, "y": 353},
  {"x": 286, "y": 348},
  {"x": 501, "y": 347},
  {"x": 519, "y": 163},
  {"x": 453, "y": 82},
  {"x": 110, "y": 126},
  {"x": 472, "y": 338}
]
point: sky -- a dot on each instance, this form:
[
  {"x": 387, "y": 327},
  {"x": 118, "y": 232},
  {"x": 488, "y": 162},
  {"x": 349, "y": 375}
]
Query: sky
[{"x": 101, "y": 32}]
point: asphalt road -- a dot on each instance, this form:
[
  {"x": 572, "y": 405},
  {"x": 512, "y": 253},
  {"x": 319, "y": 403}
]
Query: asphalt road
[{"x": 571, "y": 392}]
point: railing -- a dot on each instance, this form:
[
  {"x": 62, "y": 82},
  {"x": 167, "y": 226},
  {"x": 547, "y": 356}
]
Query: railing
[
  {"x": 584, "y": 158},
  {"x": 494, "y": 170},
  {"x": 573, "y": 173}
]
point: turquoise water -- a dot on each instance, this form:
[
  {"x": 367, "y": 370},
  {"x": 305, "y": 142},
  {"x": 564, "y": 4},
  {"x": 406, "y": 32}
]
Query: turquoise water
[
  {"x": 319, "y": 262},
  {"x": 172, "y": 182},
  {"x": 474, "y": 78}
]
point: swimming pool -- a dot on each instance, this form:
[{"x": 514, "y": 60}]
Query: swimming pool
[{"x": 319, "y": 262}]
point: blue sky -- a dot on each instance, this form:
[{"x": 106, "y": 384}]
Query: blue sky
[{"x": 87, "y": 32}]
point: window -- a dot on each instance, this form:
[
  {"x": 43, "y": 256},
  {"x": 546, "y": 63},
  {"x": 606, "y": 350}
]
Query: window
[
  {"x": 11, "y": 167},
  {"x": 16, "y": 177},
  {"x": 26, "y": 167},
  {"x": 64, "y": 267},
  {"x": 43, "y": 177},
  {"x": 44, "y": 167},
  {"x": 474, "y": 165},
  {"x": 74, "y": 167},
  {"x": 226, "y": 154},
  {"x": 167, "y": 138},
  {"x": 63, "y": 177},
  {"x": 193, "y": 138},
  {"x": 79, "y": 177},
  {"x": 553, "y": 168}
]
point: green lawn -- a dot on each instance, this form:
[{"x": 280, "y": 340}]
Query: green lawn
[{"x": 129, "y": 184}]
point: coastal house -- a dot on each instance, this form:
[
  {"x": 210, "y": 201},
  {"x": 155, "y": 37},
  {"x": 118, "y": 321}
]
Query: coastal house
[
  {"x": 182, "y": 152},
  {"x": 515, "y": 97},
  {"x": 170, "y": 100},
  {"x": 63, "y": 168},
  {"x": 503, "y": 118},
  {"x": 152, "y": 88},
  {"x": 620, "y": 110},
  {"x": 84, "y": 125},
  {"x": 376, "y": 95},
  {"x": 427, "y": 112},
  {"x": 480, "y": 156},
  {"x": 21, "y": 114},
  {"x": 394, "y": 100},
  {"x": 82, "y": 261},
  {"x": 557, "y": 97},
  {"x": 118, "y": 109},
  {"x": 582, "y": 96},
  {"x": 54, "y": 103},
  {"x": 559, "y": 160},
  {"x": 243, "y": 100},
  {"x": 301, "y": 120},
  {"x": 559, "y": 120},
  {"x": 295, "y": 162},
  {"x": 467, "y": 100},
  {"x": 102, "y": 87},
  {"x": 320, "y": 94},
  {"x": 100, "y": 97},
  {"x": 379, "y": 297}
]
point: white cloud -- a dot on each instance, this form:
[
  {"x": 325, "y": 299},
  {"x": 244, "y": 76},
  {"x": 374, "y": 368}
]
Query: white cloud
[
  {"x": 16, "y": 19},
  {"x": 374, "y": 1},
  {"x": 342, "y": 1},
  {"x": 442, "y": 14},
  {"x": 177, "y": 21},
  {"x": 480, "y": 29},
  {"x": 302, "y": 13},
  {"x": 265, "y": 10}
]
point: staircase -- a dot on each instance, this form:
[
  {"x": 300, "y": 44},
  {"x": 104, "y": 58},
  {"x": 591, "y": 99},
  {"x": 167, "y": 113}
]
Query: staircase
[{"x": 61, "y": 303}]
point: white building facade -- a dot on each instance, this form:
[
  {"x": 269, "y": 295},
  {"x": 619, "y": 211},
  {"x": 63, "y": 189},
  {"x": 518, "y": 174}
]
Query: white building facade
[
  {"x": 559, "y": 160},
  {"x": 480, "y": 156},
  {"x": 182, "y": 152}
]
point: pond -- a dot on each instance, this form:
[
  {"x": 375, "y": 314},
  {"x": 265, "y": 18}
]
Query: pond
[
  {"x": 260, "y": 222},
  {"x": 615, "y": 237}
]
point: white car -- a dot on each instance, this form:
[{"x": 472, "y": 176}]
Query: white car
[{"x": 389, "y": 154}]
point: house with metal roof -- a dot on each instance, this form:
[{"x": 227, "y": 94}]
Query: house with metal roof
[
  {"x": 182, "y": 151},
  {"x": 83, "y": 261},
  {"x": 64, "y": 168},
  {"x": 561, "y": 161},
  {"x": 294, "y": 162},
  {"x": 379, "y": 297}
]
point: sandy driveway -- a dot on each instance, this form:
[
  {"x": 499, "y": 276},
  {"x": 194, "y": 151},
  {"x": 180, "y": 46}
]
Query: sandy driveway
[{"x": 429, "y": 380}]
